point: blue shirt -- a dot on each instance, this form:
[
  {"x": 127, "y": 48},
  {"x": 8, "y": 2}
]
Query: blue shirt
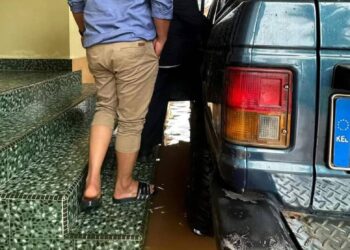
[{"x": 109, "y": 21}]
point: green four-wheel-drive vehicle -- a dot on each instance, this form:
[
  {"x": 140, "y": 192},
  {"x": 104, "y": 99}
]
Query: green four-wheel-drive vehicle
[{"x": 276, "y": 91}]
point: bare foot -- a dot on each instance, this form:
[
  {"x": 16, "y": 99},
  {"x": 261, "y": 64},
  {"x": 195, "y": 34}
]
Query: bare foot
[
  {"x": 92, "y": 188},
  {"x": 128, "y": 191}
]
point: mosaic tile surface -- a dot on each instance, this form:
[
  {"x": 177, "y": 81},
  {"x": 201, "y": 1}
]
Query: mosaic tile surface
[
  {"x": 44, "y": 129},
  {"x": 21, "y": 154},
  {"x": 40, "y": 196},
  {"x": 36, "y": 215},
  {"x": 54, "y": 170},
  {"x": 4, "y": 222},
  {"x": 41, "y": 244},
  {"x": 4, "y": 244},
  {"x": 15, "y": 99},
  {"x": 115, "y": 221},
  {"x": 35, "y": 219},
  {"x": 36, "y": 64},
  {"x": 18, "y": 79},
  {"x": 17, "y": 124},
  {"x": 114, "y": 226},
  {"x": 67, "y": 244},
  {"x": 108, "y": 245}
]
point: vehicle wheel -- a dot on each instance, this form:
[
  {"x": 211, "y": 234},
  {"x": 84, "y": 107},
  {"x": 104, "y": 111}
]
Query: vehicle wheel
[{"x": 198, "y": 193}]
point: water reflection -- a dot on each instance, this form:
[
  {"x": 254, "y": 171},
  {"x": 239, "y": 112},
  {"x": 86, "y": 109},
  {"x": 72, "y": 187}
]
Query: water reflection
[{"x": 177, "y": 125}]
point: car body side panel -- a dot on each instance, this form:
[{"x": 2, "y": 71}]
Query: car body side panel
[
  {"x": 335, "y": 24},
  {"x": 286, "y": 173},
  {"x": 286, "y": 37},
  {"x": 332, "y": 187},
  {"x": 289, "y": 173},
  {"x": 289, "y": 24}
]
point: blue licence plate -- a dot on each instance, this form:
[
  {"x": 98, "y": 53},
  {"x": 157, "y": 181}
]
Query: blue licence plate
[{"x": 341, "y": 133}]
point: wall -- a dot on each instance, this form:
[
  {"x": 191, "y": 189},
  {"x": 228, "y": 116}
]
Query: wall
[
  {"x": 34, "y": 29},
  {"x": 77, "y": 52},
  {"x": 76, "y": 49},
  {"x": 41, "y": 29}
]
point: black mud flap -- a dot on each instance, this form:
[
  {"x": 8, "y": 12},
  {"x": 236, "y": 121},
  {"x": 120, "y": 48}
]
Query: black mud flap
[{"x": 248, "y": 221}]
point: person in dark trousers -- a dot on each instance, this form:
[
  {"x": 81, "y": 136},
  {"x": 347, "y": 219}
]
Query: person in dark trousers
[{"x": 180, "y": 56}]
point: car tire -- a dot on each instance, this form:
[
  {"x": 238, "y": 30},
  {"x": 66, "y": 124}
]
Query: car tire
[{"x": 199, "y": 211}]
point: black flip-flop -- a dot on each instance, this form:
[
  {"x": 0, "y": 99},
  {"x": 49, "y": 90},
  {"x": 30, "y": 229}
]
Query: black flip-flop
[
  {"x": 143, "y": 194},
  {"x": 87, "y": 204}
]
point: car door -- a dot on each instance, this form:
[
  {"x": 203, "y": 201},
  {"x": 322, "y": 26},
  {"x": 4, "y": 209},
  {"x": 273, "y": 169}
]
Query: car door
[{"x": 332, "y": 187}]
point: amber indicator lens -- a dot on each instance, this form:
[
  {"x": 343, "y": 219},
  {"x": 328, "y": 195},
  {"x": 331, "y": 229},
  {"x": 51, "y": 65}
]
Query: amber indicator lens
[{"x": 258, "y": 106}]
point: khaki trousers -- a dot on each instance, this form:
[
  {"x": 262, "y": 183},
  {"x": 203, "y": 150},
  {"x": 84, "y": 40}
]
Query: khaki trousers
[{"x": 125, "y": 74}]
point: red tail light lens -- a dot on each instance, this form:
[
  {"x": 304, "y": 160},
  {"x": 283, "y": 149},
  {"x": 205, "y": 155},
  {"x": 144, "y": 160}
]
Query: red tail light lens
[{"x": 258, "y": 106}]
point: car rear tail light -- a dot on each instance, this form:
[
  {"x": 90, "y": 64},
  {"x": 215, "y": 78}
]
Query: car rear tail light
[{"x": 258, "y": 106}]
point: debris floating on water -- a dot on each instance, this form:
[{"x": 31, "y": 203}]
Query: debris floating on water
[{"x": 157, "y": 208}]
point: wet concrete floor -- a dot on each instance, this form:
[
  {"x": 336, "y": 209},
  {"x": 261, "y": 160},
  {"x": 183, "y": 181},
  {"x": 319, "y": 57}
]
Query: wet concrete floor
[{"x": 168, "y": 228}]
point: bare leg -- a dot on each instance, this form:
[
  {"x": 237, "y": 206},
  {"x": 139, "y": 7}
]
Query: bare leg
[
  {"x": 99, "y": 141},
  {"x": 126, "y": 186}
]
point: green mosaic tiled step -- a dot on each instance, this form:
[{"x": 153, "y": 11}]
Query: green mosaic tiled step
[
  {"x": 40, "y": 211},
  {"x": 17, "y": 124},
  {"x": 35, "y": 64},
  {"x": 114, "y": 226},
  {"x": 19, "y": 79},
  {"x": 42, "y": 202},
  {"x": 26, "y": 134},
  {"x": 44, "y": 128},
  {"x": 19, "y": 89}
]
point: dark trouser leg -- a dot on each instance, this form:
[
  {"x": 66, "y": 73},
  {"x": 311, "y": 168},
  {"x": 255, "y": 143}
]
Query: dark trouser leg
[{"x": 152, "y": 133}]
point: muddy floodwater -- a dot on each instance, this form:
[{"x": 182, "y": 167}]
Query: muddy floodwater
[{"x": 168, "y": 228}]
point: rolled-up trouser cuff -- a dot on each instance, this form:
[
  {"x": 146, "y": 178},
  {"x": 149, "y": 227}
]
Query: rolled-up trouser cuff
[
  {"x": 128, "y": 143},
  {"x": 104, "y": 118}
]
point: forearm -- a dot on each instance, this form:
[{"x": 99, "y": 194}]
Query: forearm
[
  {"x": 77, "y": 7},
  {"x": 162, "y": 28},
  {"x": 162, "y": 13},
  {"x": 79, "y": 19}
]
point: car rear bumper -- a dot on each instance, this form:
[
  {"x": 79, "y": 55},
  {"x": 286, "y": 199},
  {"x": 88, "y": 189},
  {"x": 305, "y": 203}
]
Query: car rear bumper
[
  {"x": 247, "y": 221},
  {"x": 256, "y": 221}
]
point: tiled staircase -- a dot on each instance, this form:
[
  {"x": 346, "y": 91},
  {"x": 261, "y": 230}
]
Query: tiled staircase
[{"x": 44, "y": 129}]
